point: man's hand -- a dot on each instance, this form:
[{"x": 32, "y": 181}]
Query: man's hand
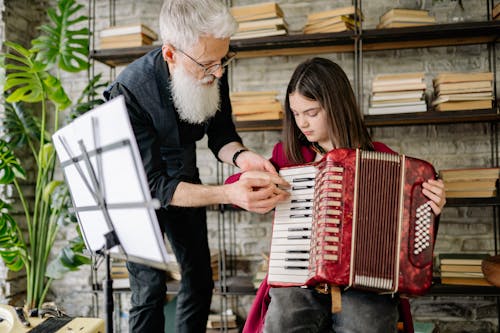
[
  {"x": 434, "y": 190},
  {"x": 259, "y": 194},
  {"x": 248, "y": 160}
]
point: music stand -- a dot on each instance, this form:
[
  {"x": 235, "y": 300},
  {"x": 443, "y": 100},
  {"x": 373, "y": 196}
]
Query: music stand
[{"x": 111, "y": 197}]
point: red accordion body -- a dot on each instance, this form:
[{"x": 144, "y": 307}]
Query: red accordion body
[{"x": 356, "y": 219}]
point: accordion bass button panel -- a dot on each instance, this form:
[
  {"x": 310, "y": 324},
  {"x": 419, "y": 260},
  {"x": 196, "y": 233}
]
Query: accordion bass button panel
[{"x": 422, "y": 236}]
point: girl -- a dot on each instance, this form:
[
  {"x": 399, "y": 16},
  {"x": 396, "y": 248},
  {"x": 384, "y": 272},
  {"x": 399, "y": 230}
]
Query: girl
[{"x": 321, "y": 114}]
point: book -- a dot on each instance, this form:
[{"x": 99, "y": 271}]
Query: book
[
  {"x": 412, "y": 94},
  {"x": 276, "y": 22},
  {"x": 256, "y": 11},
  {"x": 258, "y": 33},
  {"x": 260, "y": 116},
  {"x": 469, "y": 174},
  {"x": 461, "y": 268},
  {"x": 317, "y": 16},
  {"x": 246, "y": 109},
  {"x": 402, "y": 81},
  {"x": 400, "y": 25},
  {"x": 397, "y": 109},
  {"x": 403, "y": 12},
  {"x": 336, "y": 27},
  {"x": 400, "y": 87},
  {"x": 329, "y": 21},
  {"x": 461, "y": 258},
  {"x": 464, "y": 105},
  {"x": 135, "y": 28},
  {"x": 408, "y": 19},
  {"x": 496, "y": 11},
  {"x": 462, "y": 274},
  {"x": 484, "y": 96},
  {"x": 252, "y": 94},
  {"x": 399, "y": 76},
  {"x": 466, "y": 281},
  {"x": 472, "y": 194},
  {"x": 393, "y": 104},
  {"x": 130, "y": 41},
  {"x": 450, "y": 77},
  {"x": 461, "y": 185},
  {"x": 452, "y": 86}
]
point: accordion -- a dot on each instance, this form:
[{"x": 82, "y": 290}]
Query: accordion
[{"x": 355, "y": 219}]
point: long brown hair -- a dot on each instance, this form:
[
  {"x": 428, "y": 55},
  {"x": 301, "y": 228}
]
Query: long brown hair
[{"x": 322, "y": 80}]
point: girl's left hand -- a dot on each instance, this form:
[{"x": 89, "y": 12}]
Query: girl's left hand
[{"x": 434, "y": 190}]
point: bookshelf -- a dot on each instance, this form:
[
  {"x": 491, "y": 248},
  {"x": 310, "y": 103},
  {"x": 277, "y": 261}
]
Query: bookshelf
[{"x": 360, "y": 42}]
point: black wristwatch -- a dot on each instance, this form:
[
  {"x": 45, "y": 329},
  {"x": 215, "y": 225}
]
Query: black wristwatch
[{"x": 235, "y": 156}]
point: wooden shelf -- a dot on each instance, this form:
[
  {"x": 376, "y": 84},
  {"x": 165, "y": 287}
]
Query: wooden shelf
[
  {"x": 122, "y": 56},
  {"x": 418, "y": 118},
  {"x": 372, "y": 40},
  {"x": 462, "y": 290},
  {"x": 472, "y": 202},
  {"x": 431, "y": 35}
]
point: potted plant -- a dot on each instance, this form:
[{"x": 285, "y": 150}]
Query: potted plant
[{"x": 33, "y": 78}]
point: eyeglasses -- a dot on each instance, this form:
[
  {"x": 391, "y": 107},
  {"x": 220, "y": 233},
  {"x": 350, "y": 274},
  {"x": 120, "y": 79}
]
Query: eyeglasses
[{"x": 211, "y": 69}]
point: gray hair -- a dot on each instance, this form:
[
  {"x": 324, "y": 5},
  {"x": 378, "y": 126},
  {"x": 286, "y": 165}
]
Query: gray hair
[{"x": 183, "y": 22}]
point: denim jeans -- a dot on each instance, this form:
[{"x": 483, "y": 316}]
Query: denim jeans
[
  {"x": 186, "y": 230},
  {"x": 304, "y": 310}
]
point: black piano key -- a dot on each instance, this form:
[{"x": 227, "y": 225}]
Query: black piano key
[
  {"x": 301, "y": 200},
  {"x": 294, "y": 216},
  {"x": 299, "y": 229},
  {"x": 298, "y": 237},
  {"x": 297, "y": 188},
  {"x": 303, "y": 179}
]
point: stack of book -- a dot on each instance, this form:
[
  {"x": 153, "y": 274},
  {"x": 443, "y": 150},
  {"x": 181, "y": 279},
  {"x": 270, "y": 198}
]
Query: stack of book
[
  {"x": 216, "y": 321},
  {"x": 496, "y": 12},
  {"x": 334, "y": 20},
  {"x": 398, "y": 93},
  {"x": 400, "y": 17},
  {"x": 126, "y": 36},
  {"x": 259, "y": 20},
  {"x": 462, "y": 269},
  {"x": 256, "y": 105},
  {"x": 470, "y": 182},
  {"x": 119, "y": 274},
  {"x": 463, "y": 91}
]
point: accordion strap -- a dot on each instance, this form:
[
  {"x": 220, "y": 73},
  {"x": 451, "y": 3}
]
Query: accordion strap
[{"x": 334, "y": 292}]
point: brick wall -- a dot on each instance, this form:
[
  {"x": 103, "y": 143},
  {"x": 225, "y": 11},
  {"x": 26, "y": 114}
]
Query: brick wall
[{"x": 446, "y": 146}]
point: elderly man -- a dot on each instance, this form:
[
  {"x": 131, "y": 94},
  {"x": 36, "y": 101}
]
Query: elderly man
[{"x": 175, "y": 95}]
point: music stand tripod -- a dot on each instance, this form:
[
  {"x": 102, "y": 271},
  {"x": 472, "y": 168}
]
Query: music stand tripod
[{"x": 110, "y": 194}]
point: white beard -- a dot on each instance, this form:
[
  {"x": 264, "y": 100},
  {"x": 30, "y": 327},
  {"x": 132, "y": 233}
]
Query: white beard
[{"x": 195, "y": 101}]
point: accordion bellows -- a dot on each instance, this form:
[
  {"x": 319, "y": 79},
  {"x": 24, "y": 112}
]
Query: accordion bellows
[{"x": 355, "y": 219}]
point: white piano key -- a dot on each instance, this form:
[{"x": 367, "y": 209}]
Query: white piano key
[
  {"x": 286, "y": 255},
  {"x": 281, "y": 278},
  {"x": 283, "y": 248},
  {"x": 286, "y": 241}
]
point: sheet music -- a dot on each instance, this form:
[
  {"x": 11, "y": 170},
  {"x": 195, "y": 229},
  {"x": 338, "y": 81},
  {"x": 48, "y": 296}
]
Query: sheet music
[{"x": 106, "y": 135}]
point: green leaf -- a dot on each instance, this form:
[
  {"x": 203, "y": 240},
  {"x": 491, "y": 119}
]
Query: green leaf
[
  {"x": 50, "y": 188},
  {"x": 11, "y": 247},
  {"x": 24, "y": 76},
  {"x": 10, "y": 167},
  {"x": 46, "y": 155},
  {"x": 69, "y": 259},
  {"x": 19, "y": 125},
  {"x": 56, "y": 93},
  {"x": 58, "y": 44}
]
